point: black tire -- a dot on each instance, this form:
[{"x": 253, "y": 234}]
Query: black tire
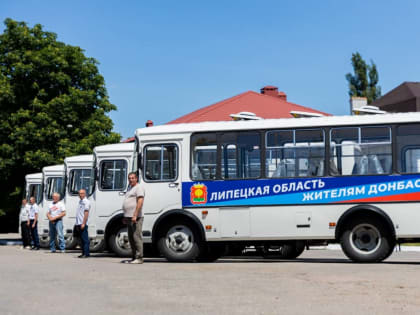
[
  {"x": 71, "y": 242},
  {"x": 179, "y": 241},
  {"x": 97, "y": 245},
  {"x": 118, "y": 241},
  {"x": 367, "y": 240},
  {"x": 211, "y": 252}
]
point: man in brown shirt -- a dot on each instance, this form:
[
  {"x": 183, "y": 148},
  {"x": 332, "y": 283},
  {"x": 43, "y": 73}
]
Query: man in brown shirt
[{"x": 133, "y": 217}]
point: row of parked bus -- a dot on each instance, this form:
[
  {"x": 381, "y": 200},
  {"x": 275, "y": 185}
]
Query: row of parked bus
[{"x": 277, "y": 185}]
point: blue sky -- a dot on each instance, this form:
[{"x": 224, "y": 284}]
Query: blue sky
[{"x": 163, "y": 59}]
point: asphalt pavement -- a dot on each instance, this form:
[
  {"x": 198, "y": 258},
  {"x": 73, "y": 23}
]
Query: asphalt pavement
[{"x": 319, "y": 282}]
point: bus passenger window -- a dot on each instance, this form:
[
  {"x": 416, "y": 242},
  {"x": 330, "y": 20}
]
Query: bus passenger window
[
  {"x": 241, "y": 155},
  {"x": 161, "y": 162},
  {"x": 361, "y": 150},
  {"x": 113, "y": 175},
  {"x": 295, "y": 153},
  {"x": 204, "y": 156},
  {"x": 408, "y": 148}
]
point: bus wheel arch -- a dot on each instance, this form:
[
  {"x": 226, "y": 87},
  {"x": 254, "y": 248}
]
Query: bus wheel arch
[
  {"x": 366, "y": 234},
  {"x": 187, "y": 230}
]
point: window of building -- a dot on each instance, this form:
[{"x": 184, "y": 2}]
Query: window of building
[
  {"x": 161, "y": 162},
  {"x": 113, "y": 175},
  {"x": 361, "y": 151}
]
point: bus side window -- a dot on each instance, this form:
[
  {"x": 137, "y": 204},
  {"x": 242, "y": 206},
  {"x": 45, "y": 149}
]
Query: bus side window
[
  {"x": 203, "y": 156},
  {"x": 361, "y": 150},
  {"x": 161, "y": 162},
  {"x": 113, "y": 175},
  {"x": 295, "y": 153},
  {"x": 408, "y": 148}
]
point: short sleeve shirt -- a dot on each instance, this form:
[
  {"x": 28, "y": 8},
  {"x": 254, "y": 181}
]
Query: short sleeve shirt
[
  {"x": 130, "y": 201},
  {"x": 33, "y": 209},
  {"x": 24, "y": 213},
  {"x": 56, "y": 208},
  {"x": 82, "y": 206}
]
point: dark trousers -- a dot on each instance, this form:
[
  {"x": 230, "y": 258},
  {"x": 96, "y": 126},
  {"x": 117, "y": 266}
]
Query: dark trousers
[
  {"x": 84, "y": 239},
  {"x": 135, "y": 237},
  {"x": 34, "y": 233},
  {"x": 26, "y": 233}
]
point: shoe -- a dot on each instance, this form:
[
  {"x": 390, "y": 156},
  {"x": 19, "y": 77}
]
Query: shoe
[
  {"x": 136, "y": 261},
  {"x": 27, "y": 247},
  {"x": 126, "y": 261},
  {"x": 32, "y": 247},
  {"x": 83, "y": 256},
  {"x": 62, "y": 251},
  {"x": 36, "y": 248}
]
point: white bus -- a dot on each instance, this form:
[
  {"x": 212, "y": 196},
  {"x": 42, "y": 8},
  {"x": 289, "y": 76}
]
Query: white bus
[
  {"x": 33, "y": 188},
  {"x": 282, "y": 183},
  {"x": 112, "y": 163},
  {"x": 79, "y": 175},
  {"x": 53, "y": 180}
]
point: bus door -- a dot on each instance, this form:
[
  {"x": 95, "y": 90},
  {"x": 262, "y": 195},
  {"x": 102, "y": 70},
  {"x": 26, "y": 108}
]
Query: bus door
[
  {"x": 111, "y": 187},
  {"x": 161, "y": 177}
]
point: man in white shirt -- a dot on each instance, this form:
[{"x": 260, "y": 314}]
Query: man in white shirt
[
  {"x": 82, "y": 220},
  {"x": 33, "y": 223},
  {"x": 24, "y": 228},
  {"x": 56, "y": 212}
]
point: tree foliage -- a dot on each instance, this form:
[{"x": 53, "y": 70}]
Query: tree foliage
[
  {"x": 364, "y": 81},
  {"x": 53, "y": 104}
]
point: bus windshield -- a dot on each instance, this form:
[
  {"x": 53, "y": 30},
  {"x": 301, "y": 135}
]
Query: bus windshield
[{"x": 55, "y": 184}]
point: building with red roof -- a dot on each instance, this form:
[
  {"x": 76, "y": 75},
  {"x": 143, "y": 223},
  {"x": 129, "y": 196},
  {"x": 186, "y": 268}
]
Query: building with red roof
[{"x": 270, "y": 103}]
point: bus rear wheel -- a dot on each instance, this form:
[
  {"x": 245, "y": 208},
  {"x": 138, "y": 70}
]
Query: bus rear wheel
[
  {"x": 179, "y": 241},
  {"x": 367, "y": 240}
]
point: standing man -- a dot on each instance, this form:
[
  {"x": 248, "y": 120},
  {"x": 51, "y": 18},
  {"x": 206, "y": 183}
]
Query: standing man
[
  {"x": 24, "y": 228},
  {"x": 82, "y": 219},
  {"x": 56, "y": 212},
  {"x": 133, "y": 217},
  {"x": 33, "y": 223}
]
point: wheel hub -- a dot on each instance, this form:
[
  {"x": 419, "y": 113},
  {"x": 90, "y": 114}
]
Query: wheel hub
[
  {"x": 179, "y": 239},
  {"x": 365, "y": 238}
]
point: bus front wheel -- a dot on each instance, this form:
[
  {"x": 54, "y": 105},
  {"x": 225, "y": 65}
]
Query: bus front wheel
[
  {"x": 179, "y": 241},
  {"x": 118, "y": 241},
  {"x": 367, "y": 240}
]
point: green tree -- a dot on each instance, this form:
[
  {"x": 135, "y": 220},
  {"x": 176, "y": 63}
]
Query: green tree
[
  {"x": 364, "y": 81},
  {"x": 53, "y": 104}
]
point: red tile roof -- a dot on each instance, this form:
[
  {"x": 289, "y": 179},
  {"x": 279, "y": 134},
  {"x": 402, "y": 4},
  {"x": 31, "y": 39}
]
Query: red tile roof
[{"x": 264, "y": 106}]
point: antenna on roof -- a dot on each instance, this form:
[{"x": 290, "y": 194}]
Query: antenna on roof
[
  {"x": 245, "y": 116},
  {"x": 298, "y": 114}
]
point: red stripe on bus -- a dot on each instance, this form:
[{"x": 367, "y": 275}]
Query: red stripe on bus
[{"x": 401, "y": 197}]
